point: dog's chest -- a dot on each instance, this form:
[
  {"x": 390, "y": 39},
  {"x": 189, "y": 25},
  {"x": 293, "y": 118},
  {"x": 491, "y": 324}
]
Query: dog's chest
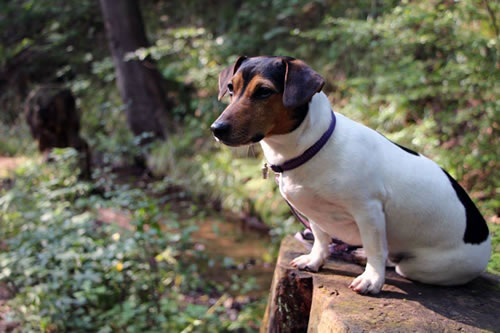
[{"x": 316, "y": 203}]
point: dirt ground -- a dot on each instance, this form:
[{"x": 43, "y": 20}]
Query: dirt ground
[{"x": 9, "y": 164}]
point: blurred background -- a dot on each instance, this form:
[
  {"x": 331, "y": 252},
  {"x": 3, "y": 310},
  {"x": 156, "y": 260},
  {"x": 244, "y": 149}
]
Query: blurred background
[{"x": 125, "y": 215}]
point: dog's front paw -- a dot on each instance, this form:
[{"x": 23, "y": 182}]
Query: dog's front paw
[
  {"x": 308, "y": 262},
  {"x": 370, "y": 282}
]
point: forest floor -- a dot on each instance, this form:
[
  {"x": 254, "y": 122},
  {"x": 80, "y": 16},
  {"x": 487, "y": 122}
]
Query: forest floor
[
  {"x": 229, "y": 243},
  {"x": 225, "y": 237},
  {"x": 9, "y": 164}
]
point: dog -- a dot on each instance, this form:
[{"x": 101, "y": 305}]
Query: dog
[{"x": 357, "y": 186}]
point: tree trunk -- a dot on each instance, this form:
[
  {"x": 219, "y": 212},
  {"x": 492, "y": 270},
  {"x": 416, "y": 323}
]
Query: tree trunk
[{"x": 139, "y": 82}]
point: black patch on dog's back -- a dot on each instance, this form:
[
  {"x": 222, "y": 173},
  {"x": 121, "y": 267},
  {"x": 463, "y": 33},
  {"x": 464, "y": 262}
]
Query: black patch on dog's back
[
  {"x": 406, "y": 149},
  {"x": 476, "y": 230}
]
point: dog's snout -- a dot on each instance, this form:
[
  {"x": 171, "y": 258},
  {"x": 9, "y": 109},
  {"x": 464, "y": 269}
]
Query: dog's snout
[{"x": 221, "y": 130}]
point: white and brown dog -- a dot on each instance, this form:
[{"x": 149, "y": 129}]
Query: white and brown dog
[{"x": 356, "y": 185}]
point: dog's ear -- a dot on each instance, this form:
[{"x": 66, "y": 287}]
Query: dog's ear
[
  {"x": 301, "y": 83},
  {"x": 227, "y": 74}
]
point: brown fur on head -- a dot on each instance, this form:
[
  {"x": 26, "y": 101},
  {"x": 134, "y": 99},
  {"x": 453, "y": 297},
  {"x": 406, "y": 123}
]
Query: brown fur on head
[{"x": 269, "y": 96}]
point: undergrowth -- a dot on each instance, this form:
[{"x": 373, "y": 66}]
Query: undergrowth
[
  {"x": 72, "y": 272},
  {"x": 494, "y": 264}
]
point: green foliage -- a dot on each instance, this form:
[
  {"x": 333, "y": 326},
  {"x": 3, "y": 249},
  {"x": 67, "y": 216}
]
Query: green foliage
[
  {"x": 72, "y": 272},
  {"x": 44, "y": 41},
  {"x": 42, "y": 27},
  {"x": 494, "y": 264},
  {"x": 15, "y": 138}
]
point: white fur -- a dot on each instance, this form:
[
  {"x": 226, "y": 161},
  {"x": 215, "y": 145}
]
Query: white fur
[{"x": 365, "y": 190}]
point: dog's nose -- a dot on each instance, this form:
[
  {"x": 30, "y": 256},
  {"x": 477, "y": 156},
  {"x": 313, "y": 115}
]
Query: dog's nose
[{"x": 221, "y": 129}]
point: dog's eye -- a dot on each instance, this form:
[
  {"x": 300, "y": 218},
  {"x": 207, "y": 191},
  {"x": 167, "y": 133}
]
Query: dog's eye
[
  {"x": 263, "y": 92},
  {"x": 230, "y": 88}
]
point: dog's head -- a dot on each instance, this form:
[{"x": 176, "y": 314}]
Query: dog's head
[{"x": 268, "y": 95}]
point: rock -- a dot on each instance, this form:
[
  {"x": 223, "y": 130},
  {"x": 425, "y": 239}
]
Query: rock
[{"x": 322, "y": 302}]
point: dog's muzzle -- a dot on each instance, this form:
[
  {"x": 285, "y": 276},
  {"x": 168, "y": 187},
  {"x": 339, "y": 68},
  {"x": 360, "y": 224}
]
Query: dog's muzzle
[{"x": 221, "y": 130}]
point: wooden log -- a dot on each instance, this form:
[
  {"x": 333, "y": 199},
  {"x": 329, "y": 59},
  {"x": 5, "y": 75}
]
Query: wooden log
[
  {"x": 289, "y": 303},
  {"x": 401, "y": 306}
]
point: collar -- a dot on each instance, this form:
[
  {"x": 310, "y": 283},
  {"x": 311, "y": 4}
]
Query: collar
[{"x": 309, "y": 153}]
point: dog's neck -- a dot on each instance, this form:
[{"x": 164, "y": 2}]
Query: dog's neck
[{"x": 280, "y": 148}]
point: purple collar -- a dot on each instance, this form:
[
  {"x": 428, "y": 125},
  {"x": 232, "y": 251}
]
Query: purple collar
[{"x": 309, "y": 153}]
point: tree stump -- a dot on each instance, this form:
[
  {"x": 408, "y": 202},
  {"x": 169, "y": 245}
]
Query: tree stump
[
  {"x": 322, "y": 302},
  {"x": 54, "y": 122}
]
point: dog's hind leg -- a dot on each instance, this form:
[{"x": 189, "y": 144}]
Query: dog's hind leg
[
  {"x": 319, "y": 252},
  {"x": 447, "y": 267}
]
